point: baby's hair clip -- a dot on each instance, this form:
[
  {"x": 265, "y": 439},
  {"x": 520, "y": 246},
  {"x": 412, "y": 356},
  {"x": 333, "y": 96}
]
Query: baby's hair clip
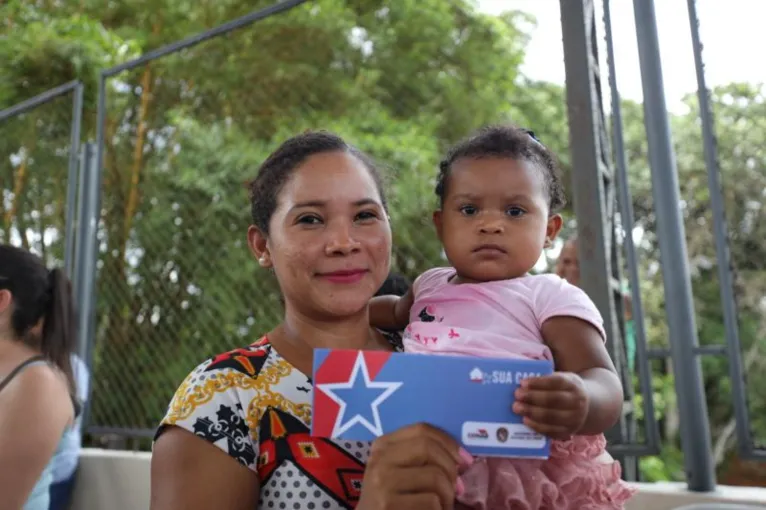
[{"x": 532, "y": 136}]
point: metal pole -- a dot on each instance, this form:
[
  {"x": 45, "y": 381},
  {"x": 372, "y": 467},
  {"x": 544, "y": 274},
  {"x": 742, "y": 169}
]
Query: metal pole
[
  {"x": 88, "y": 265},
  {"x": 695, "y": 428},
  {"x": 79, "y": 220},
  {"x": 71, "y": 197},
  {"x": 90, "y": 248},
  {"x": 626, "y": 212},
  {"x": 591, "y": 183},
  {"x": 725, "y": 277},
  {"x": 82, "y": 247}
]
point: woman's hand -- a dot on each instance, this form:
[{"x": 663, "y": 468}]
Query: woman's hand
[{"x": 416, "y": 467}]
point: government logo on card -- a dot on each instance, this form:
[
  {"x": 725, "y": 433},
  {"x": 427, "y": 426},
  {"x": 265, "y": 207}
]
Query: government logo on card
[
  {"x": 510, "y": 377},
  {"x": 478, "y": 434}
]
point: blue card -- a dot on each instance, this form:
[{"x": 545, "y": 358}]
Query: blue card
[{"x": 360, "y": 395}]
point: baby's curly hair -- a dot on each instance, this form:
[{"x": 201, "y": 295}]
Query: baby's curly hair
[{"x": 506, "y": 141}]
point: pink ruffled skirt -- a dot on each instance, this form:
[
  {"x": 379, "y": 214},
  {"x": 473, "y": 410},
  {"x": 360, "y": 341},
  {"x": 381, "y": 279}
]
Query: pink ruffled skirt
[{"x": 578, "y": 475}]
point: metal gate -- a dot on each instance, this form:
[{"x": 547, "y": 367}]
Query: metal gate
[{"x": 600, "y": 190}]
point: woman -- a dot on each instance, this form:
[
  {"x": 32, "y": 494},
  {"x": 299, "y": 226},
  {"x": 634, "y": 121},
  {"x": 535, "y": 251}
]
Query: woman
[
  {"x": 36, "y": 340},
  {"x": 236, "y": 435}
]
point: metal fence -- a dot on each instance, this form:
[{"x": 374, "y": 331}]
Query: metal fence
[
  {"x": 153, "y": 229},
  {"x": 601, "y": 168},
  {"x": 40, "y": 138},
  {"x": 167, "y": 296}
]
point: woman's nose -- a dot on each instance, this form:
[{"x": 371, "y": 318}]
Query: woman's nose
[{"x": 341, "y": 241}]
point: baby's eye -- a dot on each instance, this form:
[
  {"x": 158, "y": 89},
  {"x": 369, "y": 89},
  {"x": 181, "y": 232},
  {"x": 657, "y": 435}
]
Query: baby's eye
[
  {"x": 515, "y": 212},
  {"x": 468, "y": 210}
]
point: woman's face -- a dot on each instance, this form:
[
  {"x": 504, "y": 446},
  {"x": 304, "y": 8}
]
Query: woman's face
[{"x": 330, "y": 240}]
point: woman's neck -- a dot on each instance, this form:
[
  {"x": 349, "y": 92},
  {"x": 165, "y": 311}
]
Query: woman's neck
[
  {"x": 12, "y": 351},
  {"x": 352, "y": 332},
  {"x": 298, "y": 335}
]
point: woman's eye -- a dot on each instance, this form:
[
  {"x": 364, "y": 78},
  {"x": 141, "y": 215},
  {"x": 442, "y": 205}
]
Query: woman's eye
[
  {"x": 468, "y": 210},
  {"x": 515, "y": 212},
  {"x": 366, "y": 215},
  {"x": 309, "y": 219}
]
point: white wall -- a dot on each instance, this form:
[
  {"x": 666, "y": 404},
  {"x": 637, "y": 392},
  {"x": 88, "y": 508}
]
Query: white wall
[
  {"x": 112, "y": 480},
  {"x": 118, "y": 480}
]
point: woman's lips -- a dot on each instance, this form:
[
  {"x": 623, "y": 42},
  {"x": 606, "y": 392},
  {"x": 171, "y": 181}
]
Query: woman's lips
[{"x": 344, "y": 276}]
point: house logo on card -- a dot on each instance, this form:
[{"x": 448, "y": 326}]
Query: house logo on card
[{"x": 477, "y": 375}]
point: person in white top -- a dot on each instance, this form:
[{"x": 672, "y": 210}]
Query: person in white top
[
  {"x": 37, "y": 333},
  {"x": 67, "y": 458}
]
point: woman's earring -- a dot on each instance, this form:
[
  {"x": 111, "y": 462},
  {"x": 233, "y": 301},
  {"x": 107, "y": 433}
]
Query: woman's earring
[{"x": 262, "y": 260}]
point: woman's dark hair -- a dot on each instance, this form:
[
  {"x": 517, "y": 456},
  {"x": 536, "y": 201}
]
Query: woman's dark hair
[
  {"x": 40, "y": 294},
  {"x": 395, "y": 284},
  {"x": 279, "y": 166},
  {"x": 505, "y": 141}
]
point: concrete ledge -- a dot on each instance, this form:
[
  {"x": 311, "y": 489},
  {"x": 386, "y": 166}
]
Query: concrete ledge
[
  {"x": 668, "y": 496},
  {"x": 119, "y": 480},
  {"x": 112, "y": 480}
]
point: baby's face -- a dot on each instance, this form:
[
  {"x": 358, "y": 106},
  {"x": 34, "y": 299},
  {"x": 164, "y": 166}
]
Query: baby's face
[{"x": 495, "y": 219}]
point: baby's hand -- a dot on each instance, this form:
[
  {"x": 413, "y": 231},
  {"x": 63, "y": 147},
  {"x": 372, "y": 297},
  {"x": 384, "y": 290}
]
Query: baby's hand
[{"x": 554, "y": 405}]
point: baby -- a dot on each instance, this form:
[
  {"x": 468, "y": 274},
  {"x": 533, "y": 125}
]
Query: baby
[{"x": 499, "y": 195}]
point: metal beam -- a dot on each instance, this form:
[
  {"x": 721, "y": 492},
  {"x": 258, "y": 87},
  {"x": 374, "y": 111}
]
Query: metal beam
[
  {"x": 651, "y": 427},
  {"x": 593, "y": 191},
  {"x": 87, "y": 260},
  {"x": 229, "y": 26},
  {"x": 687, "y": 373},
  {"x": 72, "y": 176},
  {"x": 33, "y": 102}
]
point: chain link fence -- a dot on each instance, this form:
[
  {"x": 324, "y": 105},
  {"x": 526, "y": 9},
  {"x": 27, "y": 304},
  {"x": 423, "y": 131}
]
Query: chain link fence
[{"x": 35, "y": 161}]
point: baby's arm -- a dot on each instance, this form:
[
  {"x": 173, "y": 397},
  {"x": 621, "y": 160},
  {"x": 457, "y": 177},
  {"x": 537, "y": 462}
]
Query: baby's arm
[
  {"x": 391, "y": 312},
  {"x": 578, "y": 347}
]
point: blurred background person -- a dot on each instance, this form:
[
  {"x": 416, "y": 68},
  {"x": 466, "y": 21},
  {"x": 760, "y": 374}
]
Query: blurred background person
[
  {"x": 37, "y": 334},
  {"x": 395, "y": 284},
  {"x": 568, "y": 268}
]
